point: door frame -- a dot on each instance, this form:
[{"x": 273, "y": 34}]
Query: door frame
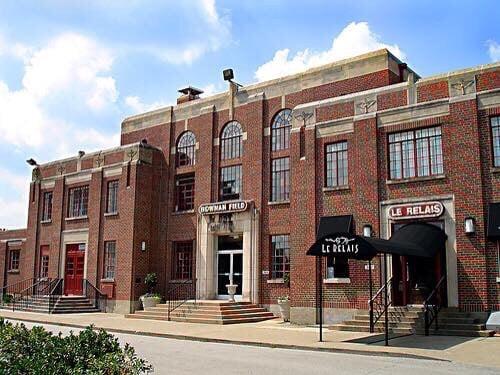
[
  {"x": 237, "y": 297},
  {"x": 75, "y": 253}
]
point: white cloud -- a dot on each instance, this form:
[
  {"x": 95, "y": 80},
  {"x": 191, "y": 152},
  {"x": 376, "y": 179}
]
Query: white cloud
[
  {"x": 136, "y": 104},
  {"x": 14, "y": 210},
  {"x": 72, "y": 68},
  {"x": 354, "y": 39},
  {"x": 72, "y": 61},
  {"x": 493, "y": 50}
]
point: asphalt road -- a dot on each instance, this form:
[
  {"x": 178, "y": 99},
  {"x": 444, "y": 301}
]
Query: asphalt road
[{"x": 170, "y": 356}]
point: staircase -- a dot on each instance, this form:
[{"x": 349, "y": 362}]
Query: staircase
[
  {"x": 402, "y": 321},
  {"x": 209, "y": 312},
  {"x": 452, "y": 322},
  {"x": 63, "y": 305},
  {"x": 407, "y": 320}
]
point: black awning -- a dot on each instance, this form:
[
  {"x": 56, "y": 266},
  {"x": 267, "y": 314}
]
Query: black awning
[
  {"x": 334, "y": 224},
  {"x": 493, "y": 231},
  {"x": 428, "y": 238},
  {"x": 415, "y": 239}
]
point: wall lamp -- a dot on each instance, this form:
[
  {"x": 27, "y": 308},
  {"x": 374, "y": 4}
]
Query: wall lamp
[
  {"x": 143, "y": 246},
  {"x": 32, "y": 162},
  {"x": 367, "y": 230},
  {"x": 470, "y": 225}
]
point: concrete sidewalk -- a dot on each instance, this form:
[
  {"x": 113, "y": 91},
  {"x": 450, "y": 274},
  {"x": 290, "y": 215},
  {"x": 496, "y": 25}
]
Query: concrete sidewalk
[{"x": 274, "y": 333}]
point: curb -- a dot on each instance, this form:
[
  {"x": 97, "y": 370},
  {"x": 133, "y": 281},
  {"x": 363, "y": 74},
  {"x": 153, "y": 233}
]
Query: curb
[{"x": 239, "y": 342}]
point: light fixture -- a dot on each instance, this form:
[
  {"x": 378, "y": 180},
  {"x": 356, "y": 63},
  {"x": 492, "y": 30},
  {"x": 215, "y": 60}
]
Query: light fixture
[
  {"x": 470, "y": 225},
  {"x": 367, "y": 230},
  {"x": 143, "y": 246},
  {"x": 32, "y": 162},
  {"x": 81, "y": 154},
  {"x": 228, "y": 74}
]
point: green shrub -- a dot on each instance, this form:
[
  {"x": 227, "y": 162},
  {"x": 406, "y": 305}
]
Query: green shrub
[
  {"x": 7, "y": 298},
  {"x": 36, "y": 351},
  {"x": 151, "y": 280}
]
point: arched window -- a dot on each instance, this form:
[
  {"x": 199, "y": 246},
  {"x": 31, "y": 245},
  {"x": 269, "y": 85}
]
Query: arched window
[
  {"x": 280, "y": 130},
  {"x": 186, "y": 149},
  {"x": 231, "y": 141}
]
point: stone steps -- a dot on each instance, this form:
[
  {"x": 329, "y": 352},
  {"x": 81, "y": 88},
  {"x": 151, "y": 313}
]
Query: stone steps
[
  {"x": 63, "y": 305},
  {"x": 209, "y": 312}
]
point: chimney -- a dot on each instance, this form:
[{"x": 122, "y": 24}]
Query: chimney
[{"x": 189, "y": 93}]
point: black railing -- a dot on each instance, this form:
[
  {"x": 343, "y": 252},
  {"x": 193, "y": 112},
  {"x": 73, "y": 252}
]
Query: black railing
[
  {"x": 179, "y": 294},
  {"x": 433, "y": 305},
  {"x": 378, "y": 304},
  {"x": 25, "y": 298},
  {"x": 55, "y": 292},
  {"x": 98, "y": 299},
  {"x": 10, "y": 292}
]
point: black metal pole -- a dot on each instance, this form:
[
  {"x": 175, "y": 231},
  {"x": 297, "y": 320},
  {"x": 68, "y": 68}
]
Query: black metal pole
[
  {"x": 371, "y": 295},
  {"x": 385, "y": 302},
  {"x": 320, "y": 299}
]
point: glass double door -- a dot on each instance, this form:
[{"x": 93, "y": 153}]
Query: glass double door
[{"x": 229, "y": 271}]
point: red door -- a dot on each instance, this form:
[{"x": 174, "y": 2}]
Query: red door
[{"x": 73, "y": 278}]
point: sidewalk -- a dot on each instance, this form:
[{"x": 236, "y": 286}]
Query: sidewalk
[{"x": 274, "y": 333}]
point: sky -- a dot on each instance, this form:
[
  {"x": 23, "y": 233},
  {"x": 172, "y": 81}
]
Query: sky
[{"x": 71, "y": 71}]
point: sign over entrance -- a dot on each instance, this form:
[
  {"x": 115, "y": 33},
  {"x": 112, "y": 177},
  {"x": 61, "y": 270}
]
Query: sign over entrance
[
  {"x": 222, "y": 207},
  {"x": 343, "y": 245},
  {"x": 416, "y": 210}
]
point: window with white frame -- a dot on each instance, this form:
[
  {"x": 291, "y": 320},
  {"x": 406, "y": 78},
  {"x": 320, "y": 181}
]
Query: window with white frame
[
  {"x": 14, "y": 257},
  {"x": 280, "y": 254},
  {"x": 110, "y": 260},
  {"x": 78, "y": 201},
  {"x": 112, "y": 201},
  {"x": 280, "y": 130},
  {"x": 47, "y": 206},
  {"x": 231, "y": 138},
  {"x": 495, "y": 137},
  {"x": 336, "y": 165},
  {"x": 280, "y": 179}
]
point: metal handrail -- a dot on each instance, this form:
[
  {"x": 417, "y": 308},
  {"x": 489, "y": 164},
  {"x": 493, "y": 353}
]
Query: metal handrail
[
  {"x": 23, "y": 299},
  {"x": 378, "y": 305},
  {"x": 54, "y": 294},
  {"x": 99, "y": 299},
  {"x": 13, "y": 289},
  {"x": 179, "y": 294},
  {"x": 433, "y": 304}
]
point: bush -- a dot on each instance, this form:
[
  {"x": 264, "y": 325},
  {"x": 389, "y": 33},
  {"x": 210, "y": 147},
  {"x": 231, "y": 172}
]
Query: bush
[
  {"x": 151, "y": 280},
  {"x": 36, "y": 351}
]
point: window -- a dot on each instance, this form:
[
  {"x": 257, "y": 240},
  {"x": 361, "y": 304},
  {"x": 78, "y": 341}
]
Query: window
[
  {"x": 183, "y": 260},
  {"x": 280, "y": 179},
  {"x": 336, "y": 165},
  {"x": 280, "y": 256},
  {"x": 415, "y": 153},
  {"x": 14, "y": 256},
  {"x": 109, "y": 260},
  {"x": 495, "y": 136},
  {"x": 186, "y": 149},
  {"x": 44, "y": 261},
  {"x": 337, "y": 268},
  {"x": 231, "y": 141},
  {"x": 112, "y": 203},
  {"x": 47, "y": 206},
  {"x": 230, "y": 183},
  {"x": 184, "y": 192},
  {"x": 280, "y": 130},
  {"x": 78, "y": 201}
]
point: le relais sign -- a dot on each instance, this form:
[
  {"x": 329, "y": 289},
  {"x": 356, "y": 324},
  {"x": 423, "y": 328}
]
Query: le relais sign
[
  {"x": 416, "y": 210},
  {"x": 222, "y": 207}
]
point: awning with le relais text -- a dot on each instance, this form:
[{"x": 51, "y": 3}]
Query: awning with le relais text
[{"x": 415, "y": 239}]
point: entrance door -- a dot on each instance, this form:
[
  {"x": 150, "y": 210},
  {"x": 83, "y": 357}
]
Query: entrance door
[
  {"x": 414, "y": 278},
  {"x": 229, "y": 264},
  {"x": 73, "y": 277}
]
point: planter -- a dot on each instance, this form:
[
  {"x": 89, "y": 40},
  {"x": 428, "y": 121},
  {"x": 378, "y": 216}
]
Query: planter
[
  {"x": 148, "y": 301},
  {"x": 231, "y": 290},
  {"x": 284, "y": 309}
]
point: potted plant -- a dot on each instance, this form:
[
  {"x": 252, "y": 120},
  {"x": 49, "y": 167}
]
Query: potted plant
[
  {"x": 284, "y": 304},
  {"x": 150, "y": 299}
]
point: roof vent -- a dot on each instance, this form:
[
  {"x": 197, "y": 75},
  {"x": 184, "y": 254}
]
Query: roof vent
[{"x": 188, "y": 93}]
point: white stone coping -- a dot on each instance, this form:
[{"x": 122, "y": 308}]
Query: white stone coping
[
  {"x": 337, "y": 280},
  {"x": 275, "y": 281},
  {"x": 498, "y": 279},
  {"x": 108, "y": 214},
  {"x": 415, "y": 179},
  {"x": 335, "y": 188},
  {"x": 14, "y": 241},
  {"x": 85, "y": 217}
]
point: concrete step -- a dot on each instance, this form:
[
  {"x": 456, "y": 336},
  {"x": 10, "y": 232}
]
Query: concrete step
[
  {"x": 378, "y": 329},
  {"x": 463, "y": 333},
  {"x": 223, "y": 317},
  {"x": 458, "y": 327},
  {"x": 402, "y": 319},
  {"x": 379, "y": 324}
]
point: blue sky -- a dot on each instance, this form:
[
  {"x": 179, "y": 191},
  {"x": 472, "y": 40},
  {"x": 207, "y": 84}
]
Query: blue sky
[{"x": 70, "y": 71}]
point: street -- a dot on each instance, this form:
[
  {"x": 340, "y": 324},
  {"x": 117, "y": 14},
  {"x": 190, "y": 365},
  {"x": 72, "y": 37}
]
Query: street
[{"x": 169, "y": 356}]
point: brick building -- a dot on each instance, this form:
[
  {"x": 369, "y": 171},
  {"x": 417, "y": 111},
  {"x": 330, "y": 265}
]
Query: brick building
[{"x": 232, "y": 187}]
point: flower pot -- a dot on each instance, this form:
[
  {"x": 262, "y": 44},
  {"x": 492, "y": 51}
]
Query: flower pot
[
  {"x": 231, "y": 290},
  {"x": 148, "y": 301},
  {"x": 284, "y": 309}
]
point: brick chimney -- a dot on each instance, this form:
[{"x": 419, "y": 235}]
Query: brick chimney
[{"x": 189, "y": 93}]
